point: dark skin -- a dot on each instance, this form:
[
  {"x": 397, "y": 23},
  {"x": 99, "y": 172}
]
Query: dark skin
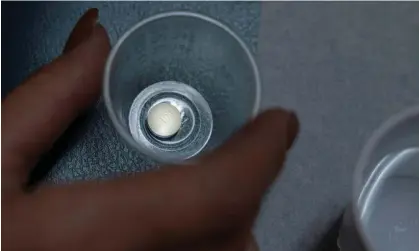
[{"x": 208, "y": 205}]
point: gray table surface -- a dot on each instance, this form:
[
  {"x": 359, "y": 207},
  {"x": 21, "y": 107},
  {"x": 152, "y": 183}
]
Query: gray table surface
[{"x": 343, "y": 67}]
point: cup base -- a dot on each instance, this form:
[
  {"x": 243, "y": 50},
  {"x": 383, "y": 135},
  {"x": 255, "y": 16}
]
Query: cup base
[{"x": 196, "y": 120}]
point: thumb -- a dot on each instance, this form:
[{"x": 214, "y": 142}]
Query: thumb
[
  {"x": 217, "y": 196},
  {"x": 248, "y": 163},
  {"x": 220, "y": 193}
]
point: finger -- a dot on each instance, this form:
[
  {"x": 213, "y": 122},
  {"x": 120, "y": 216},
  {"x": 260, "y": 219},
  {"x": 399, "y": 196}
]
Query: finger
[
  {"x": 257, "y": 151},
  {"x": 36, "y": 113},
  {"x": 164, "y": 208},
  {"x": 242, "y": 241},
  {"x": 251, "y": 244}
]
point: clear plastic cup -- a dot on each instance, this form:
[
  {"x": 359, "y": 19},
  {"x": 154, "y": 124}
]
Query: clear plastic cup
[
  {"x": 192, "y": 62},
  {"x": 385, "y": 203}
]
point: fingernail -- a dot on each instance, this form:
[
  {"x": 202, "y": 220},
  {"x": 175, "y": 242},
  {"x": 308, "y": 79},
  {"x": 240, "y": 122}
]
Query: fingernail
[
  {"x": 293, "y": 126},
  {"x": 83, "y": 29}
]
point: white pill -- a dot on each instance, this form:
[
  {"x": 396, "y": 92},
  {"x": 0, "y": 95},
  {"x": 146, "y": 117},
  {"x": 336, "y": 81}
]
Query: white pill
[{"x": 164, "y": 120}]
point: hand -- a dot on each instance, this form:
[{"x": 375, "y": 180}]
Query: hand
[{"x": 209, "y": 205}]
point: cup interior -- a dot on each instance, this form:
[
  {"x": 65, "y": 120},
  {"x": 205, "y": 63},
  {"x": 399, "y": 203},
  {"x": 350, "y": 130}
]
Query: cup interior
[{"x": 187, "y": 48}]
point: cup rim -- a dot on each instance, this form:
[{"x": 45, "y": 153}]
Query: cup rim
[
  {"x": 386, "y": 127},
  {"x": 106, "y": 76}
]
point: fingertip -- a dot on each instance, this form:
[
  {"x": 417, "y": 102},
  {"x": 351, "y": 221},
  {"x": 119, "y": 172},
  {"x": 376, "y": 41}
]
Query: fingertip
[
  {"x": 276, "y": 121},
  {"x": 254, "y": 155},
  {"x": 101, "y": 35},
  {"x": 83, "y": 29},
  {"x": 88, "y": 32}
]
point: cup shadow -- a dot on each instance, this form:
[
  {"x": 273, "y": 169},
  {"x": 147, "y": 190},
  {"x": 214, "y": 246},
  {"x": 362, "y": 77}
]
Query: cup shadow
[
  {"x": 67, "y": 140},
  {"x": 329, "y": 240}
]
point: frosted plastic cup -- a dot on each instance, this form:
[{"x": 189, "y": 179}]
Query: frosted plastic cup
[
  {"x": 192, "y": 62},
  {"x": 384, "y": 215}
]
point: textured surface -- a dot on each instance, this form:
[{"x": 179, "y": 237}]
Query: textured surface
[{"x": 344, "y": 67}]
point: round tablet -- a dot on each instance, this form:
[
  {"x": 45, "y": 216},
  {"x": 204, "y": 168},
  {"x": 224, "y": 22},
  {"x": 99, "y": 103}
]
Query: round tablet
[{"x": 164, "y": 120}]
